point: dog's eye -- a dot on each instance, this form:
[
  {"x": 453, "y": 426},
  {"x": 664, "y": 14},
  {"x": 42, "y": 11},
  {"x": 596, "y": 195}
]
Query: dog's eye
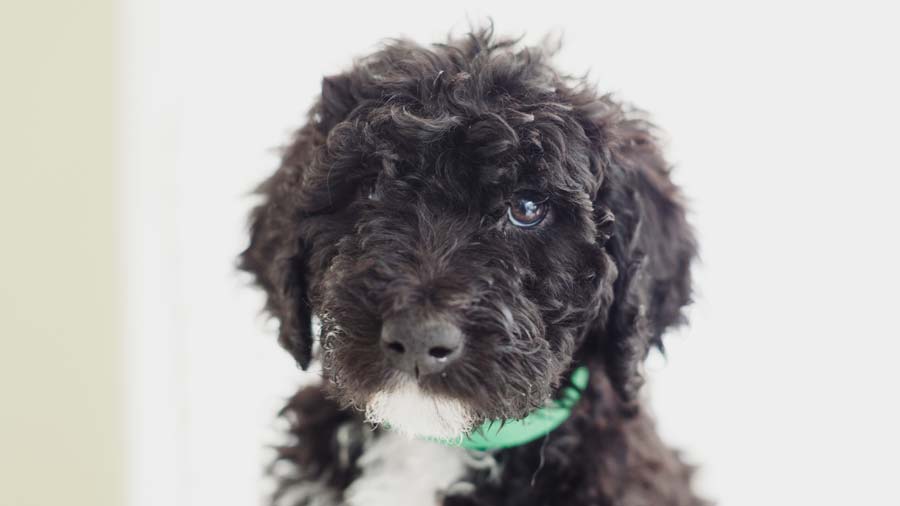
[
  {"x": 367, "y": 190},
  {"x": 527, "y": 211}
]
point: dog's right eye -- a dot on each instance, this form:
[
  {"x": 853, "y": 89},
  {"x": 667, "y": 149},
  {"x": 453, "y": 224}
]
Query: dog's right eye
[{"x": 367, "y": 190}]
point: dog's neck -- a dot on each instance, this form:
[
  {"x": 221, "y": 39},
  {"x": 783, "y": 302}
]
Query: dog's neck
[{"x": 499, "y": 434}]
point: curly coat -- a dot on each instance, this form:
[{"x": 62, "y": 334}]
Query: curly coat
[{"x": 392, "y": 198}]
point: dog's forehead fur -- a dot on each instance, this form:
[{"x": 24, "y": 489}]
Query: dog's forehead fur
[{"x": 470, "y": 119}]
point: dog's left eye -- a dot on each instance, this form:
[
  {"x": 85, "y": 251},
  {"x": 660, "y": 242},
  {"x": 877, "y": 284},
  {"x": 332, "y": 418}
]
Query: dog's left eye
[{"x": 527, "y": 211}]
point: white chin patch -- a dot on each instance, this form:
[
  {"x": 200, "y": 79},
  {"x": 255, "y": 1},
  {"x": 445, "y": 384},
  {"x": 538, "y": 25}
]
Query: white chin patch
[{"x": 409, "y": 411}]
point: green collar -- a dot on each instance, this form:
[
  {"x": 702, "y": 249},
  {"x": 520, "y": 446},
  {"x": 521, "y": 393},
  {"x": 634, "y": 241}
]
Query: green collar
[{"x": 494, "y": 434}]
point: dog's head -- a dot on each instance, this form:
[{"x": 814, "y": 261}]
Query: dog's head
[{"x": 467, "y": 223}]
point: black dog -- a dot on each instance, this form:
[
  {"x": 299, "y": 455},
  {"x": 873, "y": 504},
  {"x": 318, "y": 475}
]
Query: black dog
[{"x": 470, "y": 227}]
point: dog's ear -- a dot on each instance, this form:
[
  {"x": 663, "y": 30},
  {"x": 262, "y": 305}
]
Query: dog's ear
[
  {"x": 276, "y": 257},
  {"x": 279, "y": 252},
  {"x": 641, "y": 220}
]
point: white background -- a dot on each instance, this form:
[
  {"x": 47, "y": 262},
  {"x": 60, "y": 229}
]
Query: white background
[{"x": 783, "y": 127}]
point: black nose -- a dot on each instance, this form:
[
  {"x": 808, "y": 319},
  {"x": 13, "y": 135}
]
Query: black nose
[{"x": 420, "y": 346}]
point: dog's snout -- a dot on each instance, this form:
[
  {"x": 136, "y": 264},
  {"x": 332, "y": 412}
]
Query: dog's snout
[{"x": 421, "y": 346}]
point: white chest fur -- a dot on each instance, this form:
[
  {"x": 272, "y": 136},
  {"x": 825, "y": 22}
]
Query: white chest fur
[{"x": 398, "y": 471}]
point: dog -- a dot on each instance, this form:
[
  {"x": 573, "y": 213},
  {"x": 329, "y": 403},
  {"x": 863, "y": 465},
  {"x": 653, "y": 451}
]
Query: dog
[{"x": 476, "y": 237}]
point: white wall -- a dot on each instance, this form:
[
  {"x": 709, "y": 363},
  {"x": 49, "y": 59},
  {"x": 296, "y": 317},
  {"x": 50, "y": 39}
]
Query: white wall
[{"x": 783, "y": 128}]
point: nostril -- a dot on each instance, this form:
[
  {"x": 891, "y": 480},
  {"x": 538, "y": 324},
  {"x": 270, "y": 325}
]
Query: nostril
[
  {"x": 420, "y": 346},
  {"x": 440, "y": 352},
  {"x": 396, "y": 347}
]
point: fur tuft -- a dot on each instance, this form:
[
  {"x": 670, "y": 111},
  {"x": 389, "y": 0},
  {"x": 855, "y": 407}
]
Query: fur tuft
[{"x": 413, "y": 413}]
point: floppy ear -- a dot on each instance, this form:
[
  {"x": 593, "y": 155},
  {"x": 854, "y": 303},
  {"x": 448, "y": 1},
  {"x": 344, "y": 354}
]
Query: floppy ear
[
  {"x": 641, "y": 219},
  {"x": 279, "y": 253}
]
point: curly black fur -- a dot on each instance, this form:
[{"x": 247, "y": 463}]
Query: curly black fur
[{"x": 392, "y": 199}]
